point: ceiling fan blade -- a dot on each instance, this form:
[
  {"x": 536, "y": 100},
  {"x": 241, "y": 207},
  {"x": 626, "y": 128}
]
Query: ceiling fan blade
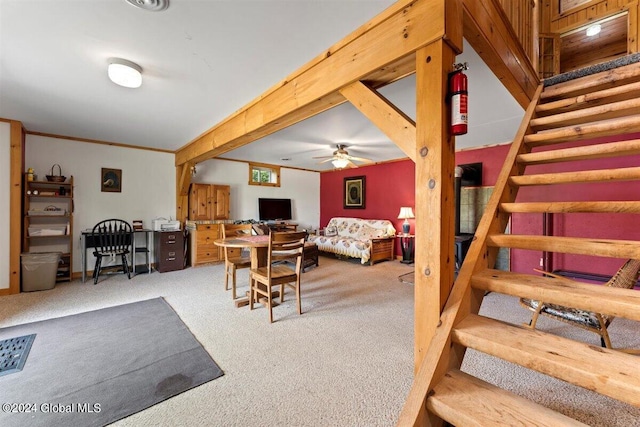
[
  {"x": 351, "y": 164},
  {"x": 323, "y": 157},
  {"x": 327, "y": 160},
  {"x": 360, "y": 159}
]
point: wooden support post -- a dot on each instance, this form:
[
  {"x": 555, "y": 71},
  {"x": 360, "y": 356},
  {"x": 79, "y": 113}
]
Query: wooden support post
[
  {"x": 15, "y": 201},
  {"x": 435, "y": 163},
  {"x": 182, "y": 200}
]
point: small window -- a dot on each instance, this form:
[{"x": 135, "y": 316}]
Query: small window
[{"x": 262, "y": 174}]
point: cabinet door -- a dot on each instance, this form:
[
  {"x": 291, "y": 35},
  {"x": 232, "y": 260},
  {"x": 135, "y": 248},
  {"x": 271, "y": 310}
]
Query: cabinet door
[
  {"x": 221, "y": 207},
  {"x": 200, "y": 202}
]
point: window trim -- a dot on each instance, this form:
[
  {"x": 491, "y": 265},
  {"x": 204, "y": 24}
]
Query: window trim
[{"x": 274, "y": 169}]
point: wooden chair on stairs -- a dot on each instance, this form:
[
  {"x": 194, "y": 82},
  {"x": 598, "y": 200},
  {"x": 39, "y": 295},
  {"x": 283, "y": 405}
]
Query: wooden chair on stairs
[{"x": 626, "y": 277}]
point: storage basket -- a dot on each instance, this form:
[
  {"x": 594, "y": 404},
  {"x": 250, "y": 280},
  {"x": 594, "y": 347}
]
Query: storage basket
[
  {"x": 41, "y": 212},
  {"x": 46, "y": 230},
  {"x": 56, "y": 178}
]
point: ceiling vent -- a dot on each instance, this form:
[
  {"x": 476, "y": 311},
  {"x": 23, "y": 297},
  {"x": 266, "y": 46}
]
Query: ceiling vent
[{"x": 150, "y": 5}]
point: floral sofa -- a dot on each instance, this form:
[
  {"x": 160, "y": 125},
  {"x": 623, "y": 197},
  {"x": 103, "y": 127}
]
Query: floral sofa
[{"x": 370, "y": 240}]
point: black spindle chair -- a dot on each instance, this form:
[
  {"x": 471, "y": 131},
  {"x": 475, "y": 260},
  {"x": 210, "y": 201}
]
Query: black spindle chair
[{"x": 111, "y": 238}]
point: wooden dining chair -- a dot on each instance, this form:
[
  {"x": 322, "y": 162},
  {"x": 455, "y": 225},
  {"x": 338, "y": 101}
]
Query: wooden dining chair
[
  {"x": 285, "y": 246},
  {"x": 234, "y": 258}
]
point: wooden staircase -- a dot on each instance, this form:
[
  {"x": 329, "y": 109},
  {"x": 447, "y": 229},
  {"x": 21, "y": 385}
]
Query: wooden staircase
[{"x": 604, "y": 104}]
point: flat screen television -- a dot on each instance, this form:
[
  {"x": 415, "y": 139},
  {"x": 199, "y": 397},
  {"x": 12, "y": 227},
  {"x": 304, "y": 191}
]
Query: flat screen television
[{"x": 274, "y": 209}]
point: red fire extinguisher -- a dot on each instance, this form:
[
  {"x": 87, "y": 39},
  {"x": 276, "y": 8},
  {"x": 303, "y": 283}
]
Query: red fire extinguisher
[{"x": 459, "y": 99}]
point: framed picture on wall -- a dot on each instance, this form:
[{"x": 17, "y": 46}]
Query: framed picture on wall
[
  {"x": 111, "y": 180},
  {"x": 354, "y": 192}
]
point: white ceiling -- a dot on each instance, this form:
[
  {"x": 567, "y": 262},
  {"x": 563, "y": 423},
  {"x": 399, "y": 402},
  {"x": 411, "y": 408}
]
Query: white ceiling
[{"x": 203, "y": 60}]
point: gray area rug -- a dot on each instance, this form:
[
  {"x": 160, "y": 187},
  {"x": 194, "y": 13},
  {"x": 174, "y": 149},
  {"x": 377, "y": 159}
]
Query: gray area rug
[{"x": 93, "y": 368}]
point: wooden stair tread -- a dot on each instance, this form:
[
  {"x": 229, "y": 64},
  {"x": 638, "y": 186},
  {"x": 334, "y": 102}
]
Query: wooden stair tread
[
  {"x": 572, "y": 207},
  {"x": 624, "y": 249},
  {"x": 599, "y": 175},
  {"x": 597, "y": 298},
  {"x": 595, "y": 82},
  {"x": 608, "y": 372},
  {"x": 619, "y": 126},
  {"x": 598, "y": 151},
  {"x": 614, "y": 94},
  {"x": 600, "y": 105},
  {"x": 462, "y": 399},
  {"x": 586, "y": 115}
]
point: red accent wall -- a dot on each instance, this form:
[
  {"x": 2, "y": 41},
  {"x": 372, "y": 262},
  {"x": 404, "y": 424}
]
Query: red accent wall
[
  {"x": 492, "y": 159},
  {"x": 392, "y": 185},
  {"x": 604, "y": 226},
  {"x": 388, "y": 187}
]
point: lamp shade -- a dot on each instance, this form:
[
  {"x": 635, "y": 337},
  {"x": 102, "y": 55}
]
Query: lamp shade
[
  {"x": 125, "y": 73},
  {"x": 406, "y": 213}
]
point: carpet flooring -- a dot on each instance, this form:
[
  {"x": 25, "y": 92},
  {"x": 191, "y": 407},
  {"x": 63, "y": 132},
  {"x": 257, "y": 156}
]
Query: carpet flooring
[
  {"x": 93, "y": 368},
  {"x": 347, "y": 361}
]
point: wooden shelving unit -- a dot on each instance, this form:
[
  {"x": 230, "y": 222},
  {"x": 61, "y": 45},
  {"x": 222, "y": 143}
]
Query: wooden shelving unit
[{"x": 48, "y": 221}]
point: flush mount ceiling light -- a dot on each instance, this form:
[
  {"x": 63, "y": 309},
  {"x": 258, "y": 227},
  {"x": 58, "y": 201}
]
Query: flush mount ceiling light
[
  {"x": 593, "y": 30},
  {"x": 125, "y": 73},
  {"x": 150, "y": 5}
]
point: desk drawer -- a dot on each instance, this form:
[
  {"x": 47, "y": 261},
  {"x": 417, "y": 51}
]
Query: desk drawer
[
  {"x": 169, "y": 238},
  {"x": 170, "y": 264},
  {"x": 208, "y": 253}
]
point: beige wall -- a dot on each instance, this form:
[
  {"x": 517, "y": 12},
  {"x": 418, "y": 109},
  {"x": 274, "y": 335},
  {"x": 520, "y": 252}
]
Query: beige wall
[
  {"x": 148, "y": 182},
  {"x": 302, "y": 187}
]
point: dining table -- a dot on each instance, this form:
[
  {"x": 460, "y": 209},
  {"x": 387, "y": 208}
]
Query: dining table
[{"x": 259, "y": 249}]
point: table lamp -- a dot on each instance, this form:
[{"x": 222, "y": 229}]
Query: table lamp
[{"x": 406, "y": 213}]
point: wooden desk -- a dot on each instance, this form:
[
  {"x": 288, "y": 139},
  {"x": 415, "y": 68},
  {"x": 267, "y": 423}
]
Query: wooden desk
[
  {"x": 259, "y": 246},
  {"x": 87, "y": 242}
]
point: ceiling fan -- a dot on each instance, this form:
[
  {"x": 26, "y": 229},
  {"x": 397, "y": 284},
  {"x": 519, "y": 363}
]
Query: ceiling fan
[{"x": 341, "y": 158}]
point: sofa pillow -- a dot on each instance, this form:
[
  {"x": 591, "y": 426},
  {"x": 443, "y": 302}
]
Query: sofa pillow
[
  {"x": 367, "y": 232},
  {"x": 330, "y": 231}
]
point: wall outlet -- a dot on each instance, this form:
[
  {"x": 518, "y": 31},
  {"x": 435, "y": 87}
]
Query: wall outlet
[{"x": 541, "y": 262}]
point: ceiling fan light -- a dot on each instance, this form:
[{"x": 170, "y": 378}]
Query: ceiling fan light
[
  {"x": 593, "y": 30},
  {"x": 125, "y": 73},
  {"x": 340, "y": 163}
]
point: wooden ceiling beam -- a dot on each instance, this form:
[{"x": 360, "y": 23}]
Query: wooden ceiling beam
[
  {"x": 399, "y": 127},
  {"x": 379, "y": 52},
  {"x": 488, "y": 31}
]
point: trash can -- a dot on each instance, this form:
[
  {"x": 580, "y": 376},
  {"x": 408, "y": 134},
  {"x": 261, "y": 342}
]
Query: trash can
[{"x": 39, "y": 270}]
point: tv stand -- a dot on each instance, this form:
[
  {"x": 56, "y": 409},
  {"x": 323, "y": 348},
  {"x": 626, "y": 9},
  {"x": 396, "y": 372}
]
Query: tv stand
[{"x": 282, "y": 226}]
